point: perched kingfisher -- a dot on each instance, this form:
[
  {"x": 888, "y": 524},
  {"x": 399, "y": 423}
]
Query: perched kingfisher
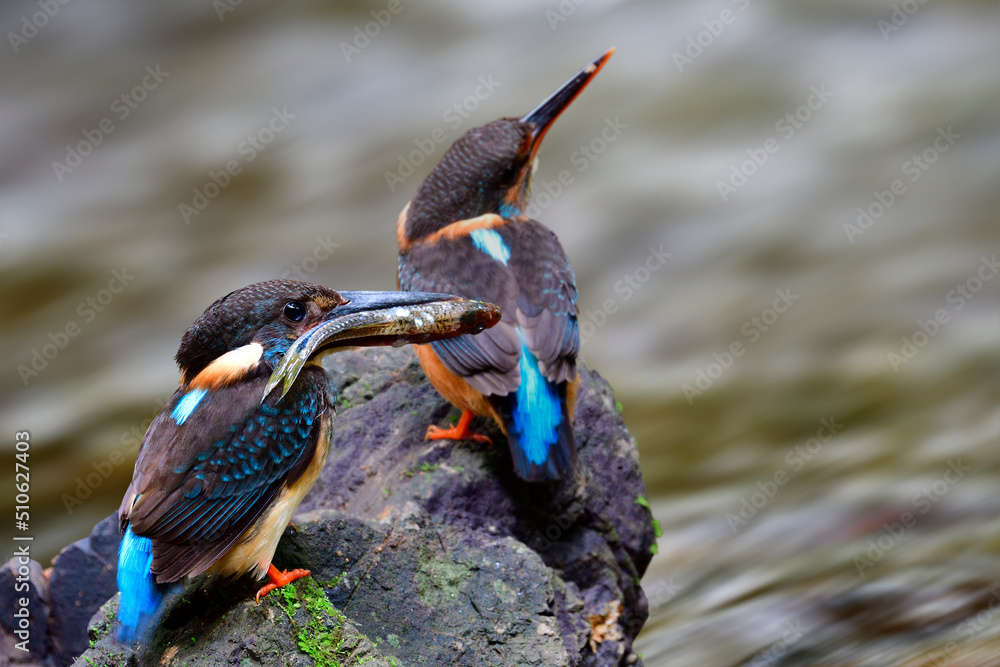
[
  {"x": 465, "y": 232},
  {"x": 224, "y": 465}
]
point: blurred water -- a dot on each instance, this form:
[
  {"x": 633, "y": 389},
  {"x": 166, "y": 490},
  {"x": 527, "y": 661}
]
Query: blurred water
[{"x": 782, "y": 588}]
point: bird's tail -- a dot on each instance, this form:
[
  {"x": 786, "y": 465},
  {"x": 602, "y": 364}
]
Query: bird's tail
[
  {"x": 140, "y": 594},
  {"x": 536, "y": 418}
]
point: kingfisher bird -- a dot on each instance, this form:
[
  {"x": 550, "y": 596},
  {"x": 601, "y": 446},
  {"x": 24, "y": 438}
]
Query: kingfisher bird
[
  {"x": 465, "y": 232},
  {"x": 224, "y": 465}
]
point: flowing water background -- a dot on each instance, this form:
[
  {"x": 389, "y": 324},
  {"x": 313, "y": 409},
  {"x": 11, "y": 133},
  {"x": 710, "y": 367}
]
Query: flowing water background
[{"x": 781, "y": 545}]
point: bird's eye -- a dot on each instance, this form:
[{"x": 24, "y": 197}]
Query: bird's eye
[
  {"x": 510, "y": 175},
  {"x": 294, "y": 311}
]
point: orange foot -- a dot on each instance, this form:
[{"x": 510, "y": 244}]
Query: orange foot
[
  {"x": 279, "y": 579},
  {"x": 459, "y": 431}
]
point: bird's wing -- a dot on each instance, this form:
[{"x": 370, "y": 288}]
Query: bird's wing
[
  {"x": 201, "y": 481},
  {"x": 488, "y": 361},
  {"x": 546, "y": 298}
]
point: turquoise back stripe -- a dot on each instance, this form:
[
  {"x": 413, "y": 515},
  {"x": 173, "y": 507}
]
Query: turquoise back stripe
[
  {"x": 490, "y": 242},
  {"x": 187, "y": 404}
]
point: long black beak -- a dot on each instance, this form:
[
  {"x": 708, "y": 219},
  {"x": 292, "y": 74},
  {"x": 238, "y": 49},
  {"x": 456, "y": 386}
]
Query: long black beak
[
  {"x": 545, "y": 114},
  {"x": 383, "y": 318}
]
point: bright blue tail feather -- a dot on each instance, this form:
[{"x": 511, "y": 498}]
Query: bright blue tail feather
[
  {"x": 140, "y": 594},
  {"x": 538, "y": 411}
]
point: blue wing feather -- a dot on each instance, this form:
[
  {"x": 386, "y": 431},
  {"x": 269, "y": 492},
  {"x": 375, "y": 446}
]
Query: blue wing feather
[
  {"x": 140, "y": 595},
  {"x": 537, "y": 411}
]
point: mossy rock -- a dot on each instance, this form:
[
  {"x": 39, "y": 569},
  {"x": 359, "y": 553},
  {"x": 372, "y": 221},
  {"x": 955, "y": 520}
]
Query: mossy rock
[{"x": 428, "y": 552}]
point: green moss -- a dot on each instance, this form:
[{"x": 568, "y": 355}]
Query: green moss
[
  {"x": 291, "y": 598},
  {"x": 332, "y": 582},
  {"x": 423, "y": 467},
  {"x": 657, "y": 530},
  {"x": 102, "y": 628},
  {"x": 117, "y": 659},
  {"x": 322, "y": 637}
]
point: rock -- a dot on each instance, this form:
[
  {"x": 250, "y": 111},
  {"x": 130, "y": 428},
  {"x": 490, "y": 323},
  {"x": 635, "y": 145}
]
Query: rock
[
  {"x": 22, "y": 582},
  {"x": 215, "y": 622},
  {"x": 594, "y": 531},
  {"x": 64, "y": 598},
  {"x": 429, "y": 552},
  {"x": 82, "y": 578},
  {"x": 415, "y": 589}
]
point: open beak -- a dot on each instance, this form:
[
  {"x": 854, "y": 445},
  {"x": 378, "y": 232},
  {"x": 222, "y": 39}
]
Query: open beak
[
  {"x": 546, "y": 113},
  {"x": 383, "y": 318}
]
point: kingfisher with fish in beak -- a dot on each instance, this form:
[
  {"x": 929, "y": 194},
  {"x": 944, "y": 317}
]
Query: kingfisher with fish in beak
[{"x": 224, "y": 465}]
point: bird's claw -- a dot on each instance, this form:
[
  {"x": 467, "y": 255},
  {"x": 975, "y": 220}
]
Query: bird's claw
[
  {"x": 454, "y": 433},
  {"x": 279, "y": 579}
]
